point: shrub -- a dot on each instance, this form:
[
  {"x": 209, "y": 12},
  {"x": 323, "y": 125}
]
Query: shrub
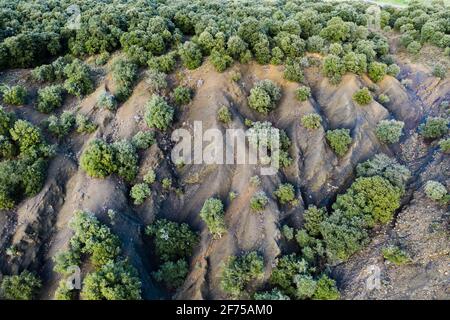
[
  {"x": 125, "y": 160},
  {"x": 435, "y": 190},
  {"x": 220, "y": 60},
  {"x": 285, "y": 193},
  {"x": 83, "y": 124},
  {"x": 102, "y": 58},
  {"x": 373, "y": 198},
  {"x": 239, "y": 272},
  {"x": 50, "y": 98},
  {"x": 288, "y": 232},
  {"x": 264, "y": 96},
  {"x": 172, "y": 240},
  {"x": 98, "y": 159},
  {"x": 275, "y": 294},
  {"x": 60, "y": 127},
  {"x": 303, "y": 93},
  {"x": 434, "y": 127},
  {"x": 182, "y": 95},
  {"x": 20, "y": 287},
  {"x": 150, "y": 177},
  {"x": 333, "y": 68},
  {"x": 444, "y": 144},
  {"x": 362, "y": 96},
  {"x": 124, "y": 74},
  {"x": 139, "y": 192},
  {"x": 113, "y": 281},
  {"x": 143, "y": 139},
  {"x": 311, "y": 121},
  {"x": 395, "y": 255},
  {"x": 293, "y": 71},
  {"x": 43, "y": 73},
  {"x": 313, "y": 218},
  {"x": 326, "y": 289},
  {"x": 166, "y": 183},
  {"x": 393, "y": 70},
  {"x": 236, "y": 47},
  {"x": 306, "y": 286},
  {"x": 191, "y": 55},
  {"x": 15, "y": 95},
  {"x": 414, "y": 47},
  {"x": 106, "y": 100},
  {"x": 315, "y": 44},
  {"x": 27, "y": 136},
  {"x": 283, "y": 274},
  {"x": 355, "y": 62},
  {"x": 224, "y": 115},
  {"x": 377, "y": 71},
  {"x": 388, "y": 168},
  {"x": 259, "y": 201},
  {"x": 389, "y": 131},
  {"x": 339, "y": 140},
  {"x": 156, "y": 81},
  {"x": 213, "y": 215},
  {"x": 384, "y": 99},
  {"x": 164, "y": 63},
  {"x": 79, "y": 81},
  {"x": 172, "y": 274},
  {"x": 439, "y": 71},
  {"x": 158, "y": 113}
]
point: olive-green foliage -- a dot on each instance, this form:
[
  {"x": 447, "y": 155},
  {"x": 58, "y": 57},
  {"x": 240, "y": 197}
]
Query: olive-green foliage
[
  {"x": 383, "y": 99},
  {"x": 112, "y": 281},
  {"x": 374, "y": 197},
  {"x": 107, "y": 100},
  {"x": 156, "y": 80},
  {"x": 275, "y": 294},
  {"x": 393, "y": 70},
  {"x": 326, "y": 289},
  {"x": 293, "y": 71},
  {"x": 239, "y": 272},
  {"x": 339, "y": 140},
  {"x": 259, "y": 201},
  {"x": 395, "y": 255},
  {"x": 172, "y": 274},
  {"x": 435, "y": 190},
  {"x": 24, "y": 286},
  {"x": 389, "y": 131},
  {"x": 444, "y": 144},
  {"x": 313, "y": 218},
  {"x": 220, "y": 60},
  {"x": 98, "y": 159},
  {"x": 102, "y": 58},
  {"x": 377, "y": 71},
  {"x": 287, "y": 232},
  {"x": 191, "y": 55},
  {"x": 333, "y": 68},
  {"x": 414, "y": 47},
  {"x": 139, "y": 192},
  {"x": 286, "y": 269},
  {"x": 224, "y": 115},
  {"x": 150, "y": 177},
  {"x": 158, "y": 113},
  {"x": 15, "y": 95},
  {"x": 43, "y": 73},
  {"x": 213, "y": 215},
  {"x": 302, "y": 93},
  {"x": 143, "y": 139},
  {"x": 264, "y": 96},
  {"x": 83, "y": 124},
  {"x": 285, "y": 193},
  {"x": 362, "y": 96},
  {"x": 311, "y": 121},
  {"x": 50, "y": 98},
  {"x": 164, "y": 63},
  {"x": 388, "y": 168},
  {"x": 172, "y": 240},
  {"x": 166, "y": 183},
  {"x": 434, "y": 127},
  {"x": 439, "y": 71},
  {"x": 60, "y": 127},
  {"x": 125, "y": 159},
  {"x": 182, "y": 95},
  {"x": 79, "y": 81},
  {"x": 124, "y": 73}
]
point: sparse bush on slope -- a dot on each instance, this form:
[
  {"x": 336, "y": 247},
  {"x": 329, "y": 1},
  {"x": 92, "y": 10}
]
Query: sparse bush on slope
[
  {"x": 158, "y": 113},
  {"x": 264, "y": 96}
]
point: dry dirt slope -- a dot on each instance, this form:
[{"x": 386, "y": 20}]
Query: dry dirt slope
[{"x": 38, "y": 227}]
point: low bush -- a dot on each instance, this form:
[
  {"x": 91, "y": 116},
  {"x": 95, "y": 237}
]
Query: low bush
[
  {"x": 124, "y": 73},
  {"x": 435, "y": 190},
  {"x": 434, "y": 127},
  {"x": 383, "y": 99},
  {"x": 275, "y": 294},
  {"x": 414, "y": 47},
  {"x": 125, "y": 160},
  {"x": 339, "y": 140},
  {"x": 395, "y": 255},
  {"x": 264, "y": 96},
  {"x": 285, "y": 193},
  {"x": 182, "y": 95},
  {"x": 98, "y": 159},
  {"x": 139, "y": 192},
  {"x": 326, "y": 289},
  {"x": 393, "y": 70},
  {"x": 61, "y": 127},
  {"x": 15, "y": 95},
  {"x": 389, "y": 131},
  {"x": 286, "y": 269},
  {"x": 239, "y": 272},
  {"x": 172, "y": 274},
  {"x": 158, "y": 113},
  {"x": 24, "y": 286},
  {"x": 224, "y": 115},
  {"x": 377, "y": 71},
  {"x": 259, "y": 201},
  {"x": 143, "y": 140},
  {"x": 191, "y": 55},
  {"x": 313, "y": 217},
  {"x": 50, "y": 98},
  {"x": 311, "y": 121},
  {"x": 150, "y": 177},
  {"x": 213, "y": 215},
  {"x": 106, "y": 100},
  {"x": 220, "y": 60},
  {"x": 303, "y": 93},
  {"x": 83, "y": 124},
  {"x": 444, "y": 144},
  {"x": 156, "y": 81},
  {"x": 79, "y": 81},
  {"x": 172, "y": 240},
  {"x": 439, "y": 71},
  {"x": 43, "y": 73},
  {"x": 362, "y": 96}
]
